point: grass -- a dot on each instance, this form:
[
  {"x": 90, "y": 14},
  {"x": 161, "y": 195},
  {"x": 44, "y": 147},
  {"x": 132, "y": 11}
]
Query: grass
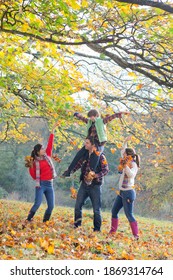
[{"x": 58, "y": 240}]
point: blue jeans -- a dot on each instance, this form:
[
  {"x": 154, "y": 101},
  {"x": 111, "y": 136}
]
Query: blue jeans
[
  {"x": 46, "y": 188},
  {"x": 126, "y": 200},
  {"x": 94, "y": 193}
]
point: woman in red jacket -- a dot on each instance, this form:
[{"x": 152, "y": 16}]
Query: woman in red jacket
[{"x": 43, "y": 172}]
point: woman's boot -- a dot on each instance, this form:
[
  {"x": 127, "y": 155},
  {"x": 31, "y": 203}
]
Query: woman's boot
[
  {"x": 134, "y": 228},
  {"x": 114, "y": 225}
]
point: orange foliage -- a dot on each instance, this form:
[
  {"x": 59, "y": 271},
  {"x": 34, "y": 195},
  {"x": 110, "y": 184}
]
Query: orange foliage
[
  {"x": 57, "y": 239},
  {"x": 113, "y": 150},
  {"x": 28, "y": 161},
  {"x": 56, "y": 158},
  {"x": 73, "y": 142},
  {"x": 105, "y": 161},
  {"x": 73, "y": 192},
  {"x": 125, "y": 161},
  {"x": 96, "y": 152}
]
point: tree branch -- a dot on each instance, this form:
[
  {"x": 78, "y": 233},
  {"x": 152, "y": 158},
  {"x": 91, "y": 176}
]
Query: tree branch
[
  {"x": 150, "y": 3},
  {"x": 134, "y": 67}
]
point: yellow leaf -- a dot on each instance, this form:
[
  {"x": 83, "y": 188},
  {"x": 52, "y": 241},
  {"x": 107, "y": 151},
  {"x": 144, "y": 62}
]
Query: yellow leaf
[
  {"x": 51, "y": 249},
  {"x": 117, "y": 192},
  {"x": 2, "y": 54},
  {"x": 30, "y": 246},
  {"x": 132, "y": 74},
  {"x": 25, "y": 27},
  {"x": 126, "y": 256},
  {"x": 154, "y": 104},
  {"x": 27, "y": 87}
]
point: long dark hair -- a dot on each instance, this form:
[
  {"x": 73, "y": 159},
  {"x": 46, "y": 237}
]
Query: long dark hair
[
  {"x": 131, "y": 152},
  {"x": 36, "y": 150}
]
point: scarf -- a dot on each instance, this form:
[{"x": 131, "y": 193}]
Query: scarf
[
  {"x": 37, "y": 164},
  {"x": 125, "y": 182},
  {"x": 125, "y": 179}
]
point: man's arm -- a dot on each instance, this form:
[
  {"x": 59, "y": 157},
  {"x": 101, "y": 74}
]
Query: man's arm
[
  {"x": 104, "y": 167},
  {"x": 78, "y": 165}
]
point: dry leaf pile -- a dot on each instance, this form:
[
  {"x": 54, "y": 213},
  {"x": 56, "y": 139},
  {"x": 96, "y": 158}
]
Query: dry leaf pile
[{"x": 57, "y": 239}]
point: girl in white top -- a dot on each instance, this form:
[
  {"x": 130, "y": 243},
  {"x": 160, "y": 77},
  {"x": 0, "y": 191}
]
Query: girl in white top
[{"x": 127, "y": 193}]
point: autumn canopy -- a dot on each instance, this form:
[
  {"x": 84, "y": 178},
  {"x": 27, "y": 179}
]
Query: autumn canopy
[{"x": 58, "y": 57}]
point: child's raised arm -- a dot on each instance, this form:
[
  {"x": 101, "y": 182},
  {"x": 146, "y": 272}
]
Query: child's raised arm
[
  {"x": 114, "y": 116},
  {"x": 80, "y": 117}
]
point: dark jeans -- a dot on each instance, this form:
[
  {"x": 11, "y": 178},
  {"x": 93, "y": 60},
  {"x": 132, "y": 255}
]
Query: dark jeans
[
  {"x": 46, "y": 188},
  {"x": 125, "y": 200},
  {"x": 94, "y": 159},
  {"x": 94, "y": 193}
]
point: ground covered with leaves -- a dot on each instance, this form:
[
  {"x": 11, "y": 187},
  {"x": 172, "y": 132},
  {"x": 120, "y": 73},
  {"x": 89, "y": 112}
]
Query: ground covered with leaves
[{"x": 57, "y": 239}]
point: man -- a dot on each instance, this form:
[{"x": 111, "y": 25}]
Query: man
[
  {"x": 91, "y": 183},
  {"x": 95, "y": 127}
]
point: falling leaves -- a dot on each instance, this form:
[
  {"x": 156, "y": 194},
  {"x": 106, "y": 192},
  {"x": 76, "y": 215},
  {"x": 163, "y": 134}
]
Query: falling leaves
[
  {"x": 125, "y": 161},
  {"x": 132, "y": 74},
  {"x": 139, "y": 86},
  {"x": 56, "y": 158},
  {"x": 113, "y": 150},
  {"x": 73, "y": 142},
  {"x": 73, "y": 192}
]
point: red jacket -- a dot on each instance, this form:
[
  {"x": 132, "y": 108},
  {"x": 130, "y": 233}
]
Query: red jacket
[{"x": 45, "y": 170}]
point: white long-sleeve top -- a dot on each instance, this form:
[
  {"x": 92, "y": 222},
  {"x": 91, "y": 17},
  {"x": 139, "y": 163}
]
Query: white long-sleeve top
[{"x": 129, "y": 172}]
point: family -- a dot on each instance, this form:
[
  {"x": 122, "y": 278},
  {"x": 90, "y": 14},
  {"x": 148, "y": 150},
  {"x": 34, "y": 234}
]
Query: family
[{"x": 94, "y": 166}]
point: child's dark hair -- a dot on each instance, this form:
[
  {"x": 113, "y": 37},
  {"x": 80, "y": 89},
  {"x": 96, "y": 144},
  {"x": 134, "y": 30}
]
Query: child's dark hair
[
  {"x": 93, "y": 113},
  {"x": 130, "y": 152},
  {"x": 37, "y": 148}
]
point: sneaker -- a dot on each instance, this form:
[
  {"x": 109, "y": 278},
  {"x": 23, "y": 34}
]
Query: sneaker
[{"x": 66, "y": 174}]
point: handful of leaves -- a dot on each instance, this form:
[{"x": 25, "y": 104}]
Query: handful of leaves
[
  {"x": 29, "y": 161},
  {"x": 89, "y": 177},
  {"x": 125, "y": 161},
  {"x": 73, "y": 192},
  {"x": 56, "y": 158}
]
